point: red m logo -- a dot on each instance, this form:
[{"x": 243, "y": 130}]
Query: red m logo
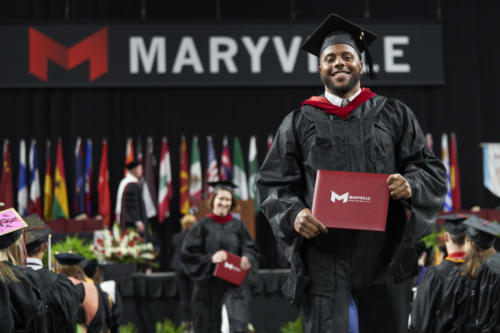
[{"x": 94, "y": 48}]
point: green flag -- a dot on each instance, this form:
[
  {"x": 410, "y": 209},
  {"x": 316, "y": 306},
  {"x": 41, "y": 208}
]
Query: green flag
[
  {"x": 253, "y": 169},
  {"x": 239, "y": 175},
  {"x": 195, "y": 189}
]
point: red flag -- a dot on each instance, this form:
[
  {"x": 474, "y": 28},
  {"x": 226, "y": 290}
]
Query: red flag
[
  {"x": 454, "y": 175},
  {"x": 129, "y": 153},
  {"x": 184, "y": 179},
  {"x": 269, "y": 141},
  {"x": 6, "y": 194},
  {"x": 104, "y": 200}
]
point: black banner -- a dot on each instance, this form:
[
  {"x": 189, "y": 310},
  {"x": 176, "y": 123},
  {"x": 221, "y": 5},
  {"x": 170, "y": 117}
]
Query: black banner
[{"x": 178, "y": 55}]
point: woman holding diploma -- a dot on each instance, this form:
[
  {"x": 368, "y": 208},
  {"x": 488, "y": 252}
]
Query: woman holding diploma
[{"x": 206, "y": 245}]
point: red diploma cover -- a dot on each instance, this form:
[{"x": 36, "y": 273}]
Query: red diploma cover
[
  {"x": 351, "y": 200},
  {"x": 230, "y": 269}
]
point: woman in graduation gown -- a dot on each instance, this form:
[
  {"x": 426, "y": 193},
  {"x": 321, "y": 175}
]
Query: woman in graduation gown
[
  {"x": 459, "y": 310},
  {"x": 488, "y": 291},
  {"x": 204, "y": 246},
  {"x": 22, "y": 308}
]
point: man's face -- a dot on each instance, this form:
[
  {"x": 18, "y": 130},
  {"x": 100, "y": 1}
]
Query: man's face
[
  {"x": 340, "y": 69},
  {"x": 137, "y": 171}
]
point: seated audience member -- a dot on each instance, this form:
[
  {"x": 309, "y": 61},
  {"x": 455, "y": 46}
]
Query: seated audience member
[
  {"x": 22, "y": 306},
  {"x": 94, "y": 310},
  {"x": 459, "y": 303},
  {"x": 182, "y": 280},
  {"x": 425, "y": 315},
  {"x": 63, "y": 299},
  {"x": 488, "y": 292}
]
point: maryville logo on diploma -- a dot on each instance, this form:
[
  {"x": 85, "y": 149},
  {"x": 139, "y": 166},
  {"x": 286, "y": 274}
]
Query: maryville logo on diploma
[
  {"x": 346, "y": 197},
  {"x": 351, "y": 200}
]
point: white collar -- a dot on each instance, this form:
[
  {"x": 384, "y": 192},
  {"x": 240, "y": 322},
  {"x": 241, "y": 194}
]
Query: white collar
[
  {"x": 131, "y": 177},
  {"x": 34, "y": 263},
  {"x": 336, "y": 100}
]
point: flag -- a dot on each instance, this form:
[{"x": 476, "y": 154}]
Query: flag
[
  {"x": 269, "y": 142},
  {"x": 454, "y": 175},
  {"x": 79, "y": 197},
  {"x": 48, "y": 190},
  {"x": 195, "y": 182},
  {"x": 428, "y": 138},
  {"x": 129, "y": 153},
  {"x": 491, "y": 167},
  {"x": 211, "y": 174},
  {"x": 165, "y": 183},
  {"x": 6, "y": 194},
  {"x": 35, "y": 202},
  {"x": 138, "y": 149},
  {"x": 149, "y": 187},
  {"x": 448, "y": 205},
  {"x": 239, "y": 175},
  {"x": 253, "y": 170},
  {"x": 60, "y": 200},
  {"x": 22, "y": 185},
  {"x": 88, "y": 177},
  {"x": 225, "y": 161},
  {"x": 184, "y": 179},
  {"x": 103, "y": 193}
]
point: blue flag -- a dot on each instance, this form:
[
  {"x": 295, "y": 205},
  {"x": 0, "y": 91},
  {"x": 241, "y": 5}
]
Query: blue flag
[
  {"x": 88, "y": 178},
  {"x": 79, "y": 199}
]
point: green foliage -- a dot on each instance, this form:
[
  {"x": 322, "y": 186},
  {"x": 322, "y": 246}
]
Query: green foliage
[
  {"x": 435, "y": 239},
  {"x": 75, "y": 245},
  {"x": 167, "y": 326},
  {"x": 129, "y": 328},
  {"x": 292, "y": 327}
]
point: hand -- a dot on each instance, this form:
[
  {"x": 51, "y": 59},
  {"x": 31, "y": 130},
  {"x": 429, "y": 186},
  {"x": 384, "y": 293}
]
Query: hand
[
  {"x": 399, "y": 187},
  {"x": 307, "y": 225},
  {"x": 219, "y": 256},
  {"x": 245, "y": 263},
  {"x": 139, "y": 227}
]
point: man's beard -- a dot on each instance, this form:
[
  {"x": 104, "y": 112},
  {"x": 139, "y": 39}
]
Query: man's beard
[{"x": 341, "y": 90}]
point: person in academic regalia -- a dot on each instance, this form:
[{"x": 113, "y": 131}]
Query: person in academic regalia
[
  {"x": 204, "y": 246},
  {"x": 94, "y": 312},
  {"x": 349, "y": 128},
  {"x": 488, "y": 293},
  {"x": 182, "y": 280},
  {"x": 130, "y": 210},
  {"x": 425, "y": 315},
  {"x": 459, "y": 311},
  {"x": 22, "y": 305},
  {"x": 63, "y": 299}
]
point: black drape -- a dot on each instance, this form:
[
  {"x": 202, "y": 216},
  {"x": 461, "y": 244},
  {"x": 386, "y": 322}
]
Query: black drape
[{"x": 467, "y": 104}]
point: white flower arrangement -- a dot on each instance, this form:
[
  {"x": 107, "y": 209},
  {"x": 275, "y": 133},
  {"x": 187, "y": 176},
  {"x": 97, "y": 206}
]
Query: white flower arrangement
[{"x": 116, "y": 246}]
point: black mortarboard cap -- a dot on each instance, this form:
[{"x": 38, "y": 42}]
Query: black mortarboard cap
[
  {"x": 37, "y": 232},
  {"x": 89, "y": 267},
  {"x": 337, "y": 30},
  {"x": 224, "y": 184},
  {"x": 453, "y": 223},
  {"x": 11, "y": 225},
  {"x": 481, "y": 231},
  {"x": 68, "y": 258},
  {"x": 132, "y": 164}
]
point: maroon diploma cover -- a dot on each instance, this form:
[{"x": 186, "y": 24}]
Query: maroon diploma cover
[
  {"x": 230, "y": 269},
  {"x": 351, "y": 200}
]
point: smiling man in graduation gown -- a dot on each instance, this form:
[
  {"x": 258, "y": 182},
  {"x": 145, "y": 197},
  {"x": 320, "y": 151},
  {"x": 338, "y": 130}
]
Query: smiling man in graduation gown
[
  {"x": 425, "y": 315},
  {"x": 349, "y": 128}
]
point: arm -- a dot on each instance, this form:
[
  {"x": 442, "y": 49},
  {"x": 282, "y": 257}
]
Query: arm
[{"x": 196, "y": 263}]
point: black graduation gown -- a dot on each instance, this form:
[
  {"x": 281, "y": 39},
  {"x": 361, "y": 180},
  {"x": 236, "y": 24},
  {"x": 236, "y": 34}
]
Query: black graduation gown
[
  {"x": 103, "y": 317},
  {"x": 425, "y": 315},
  {"x": 488, "y": 292},
  {"x": 210, "y": 293},
  {"x": 182, "y": 280},
  {"x": 27, "y": 306},
  {"x": 133, "y": 209},
  {"x": 458, "y": 305},
  {"x": 6, "y": 317},
  {"x": 380, "y": 136},
  {"x": 63, "y": 299}
]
